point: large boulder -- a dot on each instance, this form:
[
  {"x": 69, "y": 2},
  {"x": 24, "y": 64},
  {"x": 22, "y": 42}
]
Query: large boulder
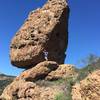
[
  {"x": 22, "y": 90},
  {"x": 40, "y": 71},
  {"x": 44, "y": 29},
  {"x": 62, "y": 72},
  {"x": 87, "y": 89}
]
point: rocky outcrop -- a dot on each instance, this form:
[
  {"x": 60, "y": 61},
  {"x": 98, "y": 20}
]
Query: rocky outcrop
[
  {"x": 48, "y": 70},
  {"x": 40, "y": 71},
  {"x": 63, "y": 71},
  {"x": 45, "y": 29},
  {"x": 44, "y": 32},
  {"x": 32, "y": 84},
  {"x": 88, "y": 89},
  {"x": 22, "y": 90}
]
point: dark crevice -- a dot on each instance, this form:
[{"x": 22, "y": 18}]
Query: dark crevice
[
  {"x": 38, "y": 77},
  {"x": 57, "y": 34},
  {"x": 21, "y": 46}
]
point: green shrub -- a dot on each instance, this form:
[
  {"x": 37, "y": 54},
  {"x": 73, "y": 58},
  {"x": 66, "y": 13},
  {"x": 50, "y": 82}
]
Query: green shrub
[
  {"x": 60, "y": 96},
  {"x": 69, "y": 82}
]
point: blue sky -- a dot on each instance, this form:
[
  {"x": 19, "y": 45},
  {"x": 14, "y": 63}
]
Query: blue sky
[{"x": 84, "y": 29}]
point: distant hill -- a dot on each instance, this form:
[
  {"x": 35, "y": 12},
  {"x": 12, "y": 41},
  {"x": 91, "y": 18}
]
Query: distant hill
[{"x": 4, "y": 81}]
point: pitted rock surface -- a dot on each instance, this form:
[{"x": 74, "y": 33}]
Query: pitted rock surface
[
  {"x": 45, "y": 29},
  {"x": 39, "y": 72},
  {"x": 23, "y": 90},
  {"x": 88, "y": 89},
  {"x": 63, "y": 71}
]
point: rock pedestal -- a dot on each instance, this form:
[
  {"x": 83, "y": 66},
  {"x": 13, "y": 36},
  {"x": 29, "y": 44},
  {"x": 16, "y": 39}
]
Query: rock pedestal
[{"x": 40, "y": 71}]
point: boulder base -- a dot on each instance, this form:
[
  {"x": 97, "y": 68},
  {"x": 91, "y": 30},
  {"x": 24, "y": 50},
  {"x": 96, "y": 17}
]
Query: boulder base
[{"x": 38, "y": 72}]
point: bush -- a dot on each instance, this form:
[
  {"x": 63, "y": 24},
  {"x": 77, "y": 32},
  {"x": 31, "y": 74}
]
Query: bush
[
  {"x": 66, "y": 95},
  {"x": 60, "y": 96},
  {"x": 91, "y": 63}
]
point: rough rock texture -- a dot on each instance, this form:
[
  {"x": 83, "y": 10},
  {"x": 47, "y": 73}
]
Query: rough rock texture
[
  {"x": 31, "y": 84},
  {"x": 88, "y": 89},
  {"x": 63, "y": 71},
  {"x": 22, "y": 90},
  {"x": 40, "y": 71},
  {"x": 45, "y": 29}
]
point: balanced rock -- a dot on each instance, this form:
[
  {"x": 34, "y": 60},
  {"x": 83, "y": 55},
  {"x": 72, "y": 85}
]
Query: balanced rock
[
  {"x": 44, "y": 29},
  {"x": 40, "y": 71},
  {"x": 63, "y": 71},
  {"x": 88, "y": 89}
]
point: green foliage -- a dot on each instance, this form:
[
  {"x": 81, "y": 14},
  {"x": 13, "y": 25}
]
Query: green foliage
[
  {"x": 60, "y": 96},
  {"x": 90, "y": 59},
  {"x": 59, "y": 81},
  {"x": 69, "y": 82},
  {"x": 92, "y": 64}
]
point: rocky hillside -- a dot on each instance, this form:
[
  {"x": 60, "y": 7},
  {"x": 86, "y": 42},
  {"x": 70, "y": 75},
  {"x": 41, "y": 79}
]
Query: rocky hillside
[
  {"x": 4, "y": 81},
  {"x": 39, "y": 46},
  {"x": 57, "y": 85},
  {"x": 46, "y": 80}
]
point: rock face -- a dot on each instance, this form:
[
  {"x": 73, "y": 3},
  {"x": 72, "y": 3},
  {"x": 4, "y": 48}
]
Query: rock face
[
  {"x": 45, "y": 29},
  {"x": 63, "y": 71},
  {"x": 88, "y": 89}
]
